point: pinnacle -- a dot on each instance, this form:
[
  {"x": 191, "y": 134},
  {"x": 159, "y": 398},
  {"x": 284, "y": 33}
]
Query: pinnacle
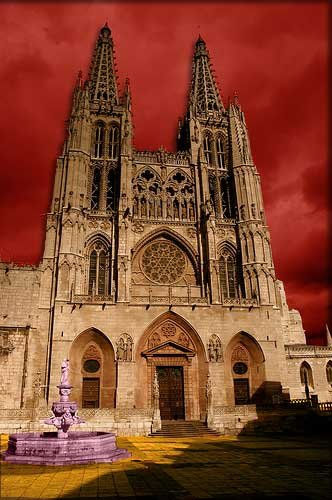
[
  {"x": 200, "y": 40},
  {"x": 105, "y": 30}
]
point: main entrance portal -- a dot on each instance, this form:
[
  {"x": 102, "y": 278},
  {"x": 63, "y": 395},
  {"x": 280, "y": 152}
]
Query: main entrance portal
[{"x": 171, "y": 394}]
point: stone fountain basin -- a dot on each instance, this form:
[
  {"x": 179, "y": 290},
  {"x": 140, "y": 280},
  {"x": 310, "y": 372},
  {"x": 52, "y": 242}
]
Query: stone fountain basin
[{"x": 78, "y": 448}]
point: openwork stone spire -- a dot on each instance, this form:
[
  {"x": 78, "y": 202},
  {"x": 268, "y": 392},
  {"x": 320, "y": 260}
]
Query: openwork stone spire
[
  {"x": 103, "y": 85},
  {"x": 204, "y": 95}
]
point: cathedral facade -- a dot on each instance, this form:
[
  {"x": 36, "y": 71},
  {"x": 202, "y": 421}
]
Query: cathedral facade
[{"x": 157, "y": 266}]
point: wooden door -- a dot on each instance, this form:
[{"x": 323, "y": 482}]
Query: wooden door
[
  {"x": 171, "y": 397},
  {"x": 90, "y": 392},
  {"x": 241, "y": 391}
]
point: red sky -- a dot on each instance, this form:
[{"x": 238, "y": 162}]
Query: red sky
[{"x": 275, "y": 57}]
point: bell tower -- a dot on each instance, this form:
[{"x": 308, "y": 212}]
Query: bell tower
[
  {"x": 239, "y": 265},
  {"x": 82, "y": 241}
]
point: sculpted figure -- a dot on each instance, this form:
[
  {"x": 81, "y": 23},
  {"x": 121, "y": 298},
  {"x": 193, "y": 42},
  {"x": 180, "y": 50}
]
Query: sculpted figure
[
  {"x": 64, "y": 372},
  {"x": 120, "y": 352}
]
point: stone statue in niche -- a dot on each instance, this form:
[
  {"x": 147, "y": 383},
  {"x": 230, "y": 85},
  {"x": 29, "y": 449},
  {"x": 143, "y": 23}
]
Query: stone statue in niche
[
  {"x": 124, "y": 349},
  {"x": 215, "y": 353}
]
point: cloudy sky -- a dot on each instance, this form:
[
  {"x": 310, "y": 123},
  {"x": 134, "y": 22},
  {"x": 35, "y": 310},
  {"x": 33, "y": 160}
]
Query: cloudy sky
[{"x": 274, "y": 56}]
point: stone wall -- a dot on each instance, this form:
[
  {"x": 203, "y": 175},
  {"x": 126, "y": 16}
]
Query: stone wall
[
  {"x": 317, "y": 358},
  {"x": 13, "y": 366}
]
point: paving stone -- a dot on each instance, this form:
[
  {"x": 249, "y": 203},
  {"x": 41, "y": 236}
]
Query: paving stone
[{"x": 188, "y": 469}]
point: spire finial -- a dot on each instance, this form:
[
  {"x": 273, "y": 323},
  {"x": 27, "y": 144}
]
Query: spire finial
[{"x": 105, "y": 30}]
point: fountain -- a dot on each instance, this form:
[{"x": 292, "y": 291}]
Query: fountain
[{"x": 63, "y": 447}]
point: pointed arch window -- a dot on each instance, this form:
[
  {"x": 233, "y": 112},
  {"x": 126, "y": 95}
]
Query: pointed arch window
[
  {"x": 306, "y": 375},
  {"x": 95, "y": 189},
  {"x": 220, "y": 152},
  {"x": 111, "y": 189},
  {"x": 227, "y": 274},
  {"x": 99, "y": 270},
  {"x": 114, "y": 139},
  {"x": 99, "y": 139},
  {"x": 207, "y": 143},
  {"x": 329, "y": 372}
]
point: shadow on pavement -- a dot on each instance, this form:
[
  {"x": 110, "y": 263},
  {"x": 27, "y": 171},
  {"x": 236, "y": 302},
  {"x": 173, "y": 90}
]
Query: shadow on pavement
[{"x": 192, "y": 468}]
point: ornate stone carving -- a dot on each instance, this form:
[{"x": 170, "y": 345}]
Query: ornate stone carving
[
  {"x": 124, "y": 349},
  {"x": 168, "y": 329},
  {"x": 92, "y": 352},
  {"x": 192, "y": 233},
  {"x": 137, "y": 227},
  {"x": 154, "y": 340},
  {"x": 239, "y": 354},
  {"x": 163, "y": 262},
  {"x": 215, "y": 353}
]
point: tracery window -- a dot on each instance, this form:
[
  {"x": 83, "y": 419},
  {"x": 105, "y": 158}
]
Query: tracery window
[
  {"x": 114, "y": 138},
  {"x": 99, "y": 139},
  {"x": 95, "y": 189},
  {"x": 227, "y": 274},
  {"x": 207, "y": 144},
  {"x": 163, "y": 262},
  {"x": 154, "y": 200},
  {"x": 220, "y": 152},
  {"x": 329, "y": 372},
  {"x": 99, "y": 270}
]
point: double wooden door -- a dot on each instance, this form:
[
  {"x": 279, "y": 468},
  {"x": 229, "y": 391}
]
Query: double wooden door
[{"x": 171, "y": 393}]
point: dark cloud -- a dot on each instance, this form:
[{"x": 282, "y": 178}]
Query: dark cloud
[{"x": 273, "y": 54}]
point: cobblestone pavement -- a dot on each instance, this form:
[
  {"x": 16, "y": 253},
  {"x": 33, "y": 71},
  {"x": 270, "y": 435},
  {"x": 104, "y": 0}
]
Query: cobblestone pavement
[{"x": 184, "y": 469}]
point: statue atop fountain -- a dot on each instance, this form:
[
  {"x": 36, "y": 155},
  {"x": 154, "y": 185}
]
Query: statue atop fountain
[{"x": 64, "y": 411}]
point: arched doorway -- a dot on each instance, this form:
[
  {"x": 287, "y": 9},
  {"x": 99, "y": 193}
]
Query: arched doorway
[
  {"x": 172, "y": 349},
  {"x": 93, "y": 370},
  {"x": 245, "y": 370}
]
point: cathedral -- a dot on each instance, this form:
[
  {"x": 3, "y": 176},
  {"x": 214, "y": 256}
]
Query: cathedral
[{"x": 157, "y": 279}]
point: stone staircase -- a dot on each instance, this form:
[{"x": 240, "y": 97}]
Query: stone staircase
[{"x": 184, "y": 428}]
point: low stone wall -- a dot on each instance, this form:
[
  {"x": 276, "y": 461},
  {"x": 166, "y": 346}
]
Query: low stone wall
[
  {"x": 123, "y": 422},
  {"x": 231, "y": 420}
]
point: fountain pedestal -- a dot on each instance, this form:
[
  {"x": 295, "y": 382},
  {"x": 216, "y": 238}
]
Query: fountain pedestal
[{"x": 63, "y": 447}]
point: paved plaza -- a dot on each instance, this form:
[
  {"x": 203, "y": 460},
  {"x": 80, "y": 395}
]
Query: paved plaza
[{"x": 186, "y": 468}]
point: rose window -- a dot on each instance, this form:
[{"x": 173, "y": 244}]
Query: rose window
[{"x": 163, "y": 263}]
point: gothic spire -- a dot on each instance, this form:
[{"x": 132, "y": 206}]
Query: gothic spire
[
  {"x": 102, "y": 77},
  {"x": 204, "y": 94}
]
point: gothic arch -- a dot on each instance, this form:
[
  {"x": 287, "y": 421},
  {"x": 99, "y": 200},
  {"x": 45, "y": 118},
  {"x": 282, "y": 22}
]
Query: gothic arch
[
  {"x": 175, "y": 344},
  {"x": 227, "y": 245},
  {"x": 97, "y": 236},
  {"x": 255, "y": 374},
  {"x": 106, "y": 375}
]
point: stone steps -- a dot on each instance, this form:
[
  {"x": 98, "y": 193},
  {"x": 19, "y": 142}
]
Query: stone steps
[{"x": 182, "y": 428}]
